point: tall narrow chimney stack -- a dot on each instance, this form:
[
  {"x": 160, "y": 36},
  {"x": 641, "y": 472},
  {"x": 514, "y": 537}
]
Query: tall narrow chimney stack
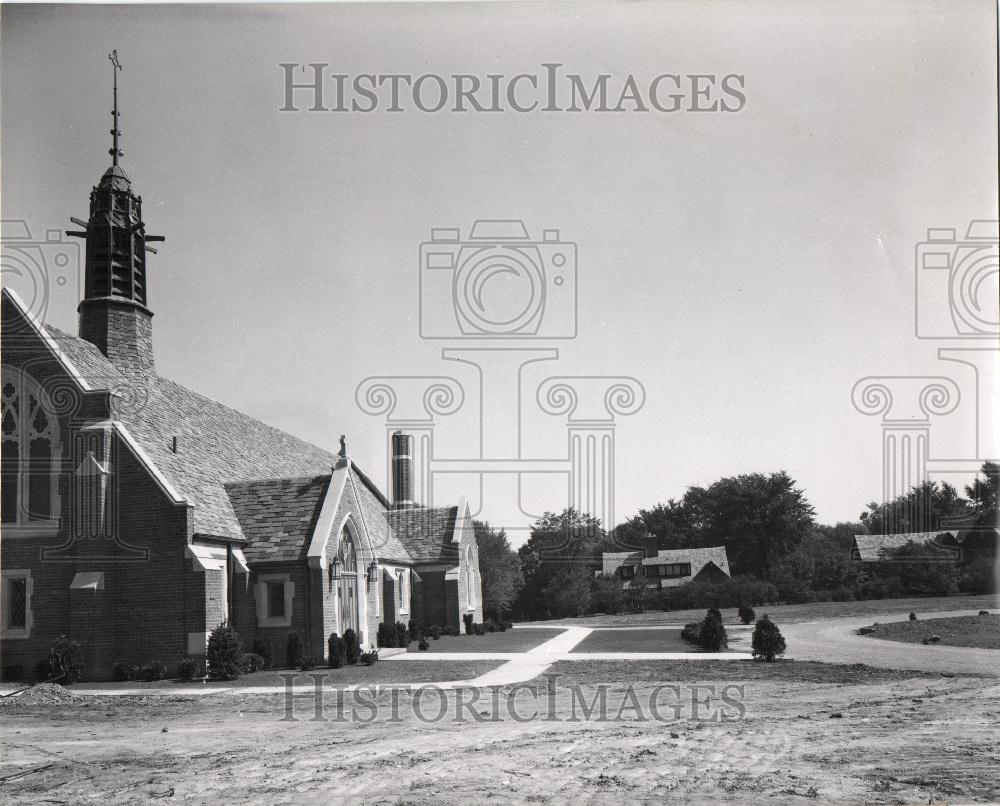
[{"x": 402, "y": 470}]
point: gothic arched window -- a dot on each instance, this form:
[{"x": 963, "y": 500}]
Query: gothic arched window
[
  {"x": 470, "y": 579},
  {"x": 30, "y": 453}
]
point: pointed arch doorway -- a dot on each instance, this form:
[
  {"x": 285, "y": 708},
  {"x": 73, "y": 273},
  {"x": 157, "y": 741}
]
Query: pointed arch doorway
[{"x": 348, "y": 591}]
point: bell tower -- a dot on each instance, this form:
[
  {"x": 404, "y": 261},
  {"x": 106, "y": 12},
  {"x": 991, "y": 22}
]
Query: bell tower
[{"x": 114, "y": 312}]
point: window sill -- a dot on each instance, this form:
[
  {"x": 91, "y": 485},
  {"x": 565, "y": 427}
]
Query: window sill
[
  {"x": 15, "y": 635},
  {"x": 274, "y": 622}
]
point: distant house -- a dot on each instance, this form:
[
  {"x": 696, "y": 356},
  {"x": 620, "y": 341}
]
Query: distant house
[
  {"x": 903, "y": 547},
  {"x": 965, "y": 538},
  {"x": 667, "y": 568}
]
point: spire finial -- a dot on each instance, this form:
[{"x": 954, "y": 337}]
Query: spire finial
[
  {"x": 115, "y": 131},
  {"x": 343, "y": 445}
]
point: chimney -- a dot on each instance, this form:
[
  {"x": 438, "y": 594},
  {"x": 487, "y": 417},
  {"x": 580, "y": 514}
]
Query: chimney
[
  {"x": 650, "y": 545},
  {"x": 402, "y": 470}
]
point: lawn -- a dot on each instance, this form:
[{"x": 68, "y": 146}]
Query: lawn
[
  {"x": 969, "y": 631},
  {"x": 518, "y": 640},
  {"x": 652, "y": 640},
  {"x": 596, "y": 672},
  {"x": 797, "y": 613},
  {"x": 386, "y": 671}
]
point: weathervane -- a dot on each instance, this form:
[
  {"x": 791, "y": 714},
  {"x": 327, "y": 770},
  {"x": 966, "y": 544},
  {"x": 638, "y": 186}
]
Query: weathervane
[{"x": 114, "y": 151}]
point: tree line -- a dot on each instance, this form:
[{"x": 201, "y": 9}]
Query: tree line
[{"x": 776, "y": 550}]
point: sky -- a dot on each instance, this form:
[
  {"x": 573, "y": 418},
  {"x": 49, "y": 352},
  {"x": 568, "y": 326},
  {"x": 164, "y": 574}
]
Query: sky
[{"x": 743, "y": 269}]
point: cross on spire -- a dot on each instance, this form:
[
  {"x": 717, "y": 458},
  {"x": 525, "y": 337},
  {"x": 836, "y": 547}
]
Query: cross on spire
[{"x": 114, "y": 151}]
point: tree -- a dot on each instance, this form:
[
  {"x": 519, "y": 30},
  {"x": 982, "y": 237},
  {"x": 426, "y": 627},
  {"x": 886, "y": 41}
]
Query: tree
[
  {"x": 758, "y": 518},
  {"x": 984, "y": 493},
  {"x": 922, "y": 509},
  {"x": 500, "y": 569},
  {"x": 563, "y": 548},
  {"x": 568, "y": 592}
]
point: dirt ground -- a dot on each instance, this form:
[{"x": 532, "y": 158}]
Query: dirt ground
[
  {"x": 974, "y": 631},
  {"x": 809, "y": 732}
]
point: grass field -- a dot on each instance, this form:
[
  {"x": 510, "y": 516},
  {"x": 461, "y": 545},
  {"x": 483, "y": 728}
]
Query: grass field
[
  {"x": 972, "y": 631},
  {"x": 652, "y": 640},
  {"x": 595, "y": 672},
  {"x": 795, "y": 613},
  {"x": 509, "y": 641},
  {"x": 381, "y": 672}
]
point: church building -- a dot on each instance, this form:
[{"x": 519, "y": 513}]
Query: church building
[{"x": 137, "y": 515}]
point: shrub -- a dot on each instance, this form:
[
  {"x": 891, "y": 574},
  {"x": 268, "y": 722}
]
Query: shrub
[
  {"x": 262, "y": 647},
  {"x": 386, "y": 635},
  {"x": 479, "y": 629},
  {"x": 188, "y": 669},
  {"x": 415, "y": 630},
  {"x": 308, "y": 663},
  {"x": 742, "y": 589},
  {"x": 913, "y": 616},
  {"x": 13, "y": 674},
  {"x": 489, "y": 625},
  {"x": 692, "y": 632},
  {"x": 423, "y": 646},
  {"x": 152, "y": 671},
  {"x": 65, "y": 661},
  {"x": 402, "y": 637},
  {"x": 352, "y": 649},
  {"x": 368, "y": 658},
  {"x": 979, "y": 576},
  {"x": 224, "y": 653},
  {"x": 501, "y": 626},
  {"x": 251, "y": 662},
  {"x": 336, "y": 651},
  {"x": 713, "y": 632},
  {"x": 124, "y": 672},
  {"x": 746, "y": 613},
  {"x": 468, "y": 621},
  {"x": 295, "y": 651},
  {"x": 435, "y": 631},
  {"x": 767, "y": 642}
]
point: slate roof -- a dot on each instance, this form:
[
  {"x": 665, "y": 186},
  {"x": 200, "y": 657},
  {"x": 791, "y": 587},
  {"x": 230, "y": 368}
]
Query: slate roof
[
  {"x": 217, "y": 444},
  {"x": 876, "y": 548},
  {"x": 697, "y": 557},
  {"x": 426, "y": 532},
  {"x": 246, "y": 480},
  {"x": 278, "y": 515}
]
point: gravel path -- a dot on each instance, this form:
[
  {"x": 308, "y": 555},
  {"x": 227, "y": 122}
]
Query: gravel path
[{"x": 837, "y": 641}]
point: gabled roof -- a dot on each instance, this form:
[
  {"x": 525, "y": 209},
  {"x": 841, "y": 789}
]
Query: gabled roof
[
  {"x": 427, "y": 532},
  {"x": 876, "y": 548},
  {"x": 216, "y": 444},
  {"x": 697, "y": 557},
  {"x": 277, "y": 515}
]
